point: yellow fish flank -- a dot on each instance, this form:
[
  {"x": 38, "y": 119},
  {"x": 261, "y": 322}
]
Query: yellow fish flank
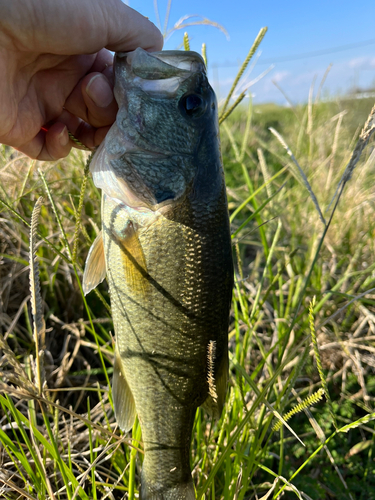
[{"x": 165, "y": 248}]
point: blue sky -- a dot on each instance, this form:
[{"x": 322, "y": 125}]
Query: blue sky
[{"x": 294, "y": 28}]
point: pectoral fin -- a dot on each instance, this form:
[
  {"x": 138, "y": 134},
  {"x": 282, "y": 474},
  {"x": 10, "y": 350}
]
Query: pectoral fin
[
  {"x": 135, "y": 268},
  {"x": 123, "y": 400},
  {"x": 95, "y": 269}
]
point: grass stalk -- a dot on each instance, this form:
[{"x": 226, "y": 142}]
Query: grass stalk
[{"x": 243, "y": 67}]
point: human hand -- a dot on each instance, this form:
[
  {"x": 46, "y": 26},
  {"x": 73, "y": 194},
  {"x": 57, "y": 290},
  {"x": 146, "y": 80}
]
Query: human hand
[{"x": 56, "y": 70}]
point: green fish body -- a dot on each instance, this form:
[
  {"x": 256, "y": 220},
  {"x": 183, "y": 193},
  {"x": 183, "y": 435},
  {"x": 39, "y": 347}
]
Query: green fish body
[{"x": 166, "y": 251}]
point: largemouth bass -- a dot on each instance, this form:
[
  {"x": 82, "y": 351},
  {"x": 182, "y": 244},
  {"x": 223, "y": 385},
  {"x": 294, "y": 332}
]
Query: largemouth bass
[{"x": 166, "y": 250}]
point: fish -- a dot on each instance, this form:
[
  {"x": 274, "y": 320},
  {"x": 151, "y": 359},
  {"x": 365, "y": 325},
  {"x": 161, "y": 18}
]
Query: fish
[{"x": 165, "y": 248}]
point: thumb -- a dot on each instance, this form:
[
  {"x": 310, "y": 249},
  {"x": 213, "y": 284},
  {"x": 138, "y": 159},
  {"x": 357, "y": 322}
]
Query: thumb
[
  {"x": 130, "y": 30},
  {"x": 77, "y": 27}
]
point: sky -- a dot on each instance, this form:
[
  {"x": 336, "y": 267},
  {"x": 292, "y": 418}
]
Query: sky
[{"x": 341, "y": 32}]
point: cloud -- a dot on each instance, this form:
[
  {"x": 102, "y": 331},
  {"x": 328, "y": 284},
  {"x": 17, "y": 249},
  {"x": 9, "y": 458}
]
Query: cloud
[
  {"x": 296, "y": 80},
  {"x": 280, "y": 76},
  {"x": 308, "y": 77},
  {"x": 362, "y": 63}
]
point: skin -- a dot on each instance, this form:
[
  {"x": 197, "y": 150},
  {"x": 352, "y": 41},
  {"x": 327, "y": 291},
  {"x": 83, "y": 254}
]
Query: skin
[{"x": 58, "y": 70}]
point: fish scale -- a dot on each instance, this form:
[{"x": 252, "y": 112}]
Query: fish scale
[
  {"x": 166, "y": 250},
  {"x": 178, "y": 354}
]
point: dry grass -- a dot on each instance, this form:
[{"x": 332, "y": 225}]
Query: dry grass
[{"x": 59, "y": 438}]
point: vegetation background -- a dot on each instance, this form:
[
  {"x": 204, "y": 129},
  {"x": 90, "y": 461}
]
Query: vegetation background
[{"x": 302, "y": 327}]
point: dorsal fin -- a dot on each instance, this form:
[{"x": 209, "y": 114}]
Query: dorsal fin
[{"x": 95, "y": 269}]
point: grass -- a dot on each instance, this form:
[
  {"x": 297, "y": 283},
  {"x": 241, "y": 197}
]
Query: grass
[{"x": 302, "y": 323}]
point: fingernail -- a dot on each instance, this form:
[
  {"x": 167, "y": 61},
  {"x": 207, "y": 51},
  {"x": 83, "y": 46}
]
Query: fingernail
[
  {"x": 64, "y": 137},
  {"x": 99, "y": 91}
]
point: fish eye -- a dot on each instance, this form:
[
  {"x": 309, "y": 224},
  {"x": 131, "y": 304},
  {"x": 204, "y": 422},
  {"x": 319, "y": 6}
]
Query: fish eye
[{"x": 192, "y": 105}]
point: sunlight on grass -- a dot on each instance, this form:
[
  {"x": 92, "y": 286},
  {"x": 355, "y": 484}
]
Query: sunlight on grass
[{"x": 58, "y": 435}]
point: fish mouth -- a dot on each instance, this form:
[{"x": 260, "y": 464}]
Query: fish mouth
[
  {"x": 158, "y": 73},
  {"x": 161, "y": 65}
]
